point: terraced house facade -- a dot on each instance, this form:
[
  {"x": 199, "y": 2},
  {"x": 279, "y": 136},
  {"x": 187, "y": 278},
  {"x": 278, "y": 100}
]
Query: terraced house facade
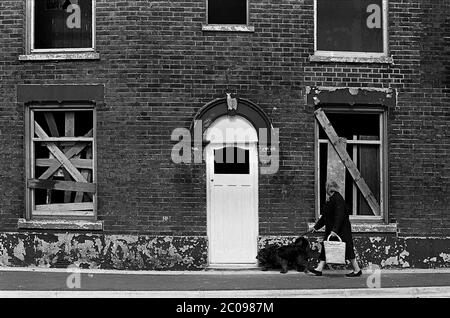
[{"x": 114, "y": 121}]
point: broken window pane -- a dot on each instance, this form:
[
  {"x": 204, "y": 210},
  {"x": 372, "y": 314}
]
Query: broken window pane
[
  {"x": 62, "y": 24},
  {"x": 350, "y": 25},
  {"x": 227, "y": 11},
  {"x": 349, "y": 125}
]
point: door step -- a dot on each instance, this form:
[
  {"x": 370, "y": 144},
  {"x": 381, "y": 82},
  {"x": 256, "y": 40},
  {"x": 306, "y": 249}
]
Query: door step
[{"x": 233, "y": 267}]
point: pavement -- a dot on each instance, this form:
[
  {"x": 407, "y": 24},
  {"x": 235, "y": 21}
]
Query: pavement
[{"x": 64, "y": 283}]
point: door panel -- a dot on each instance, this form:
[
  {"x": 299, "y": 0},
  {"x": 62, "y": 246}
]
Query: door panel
[{"x": 233, "y": 194}]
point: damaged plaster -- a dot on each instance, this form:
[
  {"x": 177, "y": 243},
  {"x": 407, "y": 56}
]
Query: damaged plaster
[
  {"x": 387, "y": 252},
  {"x": 140, "y": 252},
  {"x": 352, "y": 96},
  {"x": 97, "y": 251}
]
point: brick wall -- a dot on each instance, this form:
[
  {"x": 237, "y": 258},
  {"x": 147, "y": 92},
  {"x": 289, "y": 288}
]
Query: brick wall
[{"x": 159, "y": 68}]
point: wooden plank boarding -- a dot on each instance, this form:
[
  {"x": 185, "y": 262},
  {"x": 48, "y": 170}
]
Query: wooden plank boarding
[
  {"x": 69, "y": 124},
  {"x": 85, "y": 206},
  {"x": 60, "y": 155},
  {"x": 77, "y": 163},
  {"x": 51, "y": 124},
  {"x": 77, "y": 214},
  {"x": 63, "y": 139},
  {"x": 348, "y": 162},
  {"x": 69, "y": 154},
  {"x": 86, "y": 174},
  {"x": 61, "y": 185},
  {"x": 69, "y": 131},
  {"x": 65, "y": 159}
]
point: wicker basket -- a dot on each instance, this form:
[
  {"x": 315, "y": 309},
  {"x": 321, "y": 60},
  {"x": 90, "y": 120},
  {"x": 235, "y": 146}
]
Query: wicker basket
[{"x": 334, "y": 251}]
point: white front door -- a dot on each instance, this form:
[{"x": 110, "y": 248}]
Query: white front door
[{"x": 232, "y": 182}]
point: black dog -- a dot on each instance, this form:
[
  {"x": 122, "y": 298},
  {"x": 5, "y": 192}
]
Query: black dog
[{"x": 293, "y": 255}]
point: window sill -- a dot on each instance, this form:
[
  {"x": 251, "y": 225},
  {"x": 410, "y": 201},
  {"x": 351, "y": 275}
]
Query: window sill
[
  {"x": 59, "y": 225},
  {"x": 60, "y": 56},
  {"x": 349, "y": 59},
  {"x": 368, "y": 227},
  {"x": 228, "y": 28}
]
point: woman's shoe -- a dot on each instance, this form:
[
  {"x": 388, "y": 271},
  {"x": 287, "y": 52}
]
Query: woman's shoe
[
  {"x": 317, "y": 273},
  {"x": 353, "y": 274}
]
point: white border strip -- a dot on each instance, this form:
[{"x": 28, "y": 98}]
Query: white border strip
[
  {"x": 210, "y": 272},
  {"x": 410, "y": 292}
]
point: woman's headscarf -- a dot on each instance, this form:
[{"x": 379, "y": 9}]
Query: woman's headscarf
[{"x": 331, "y": 186}]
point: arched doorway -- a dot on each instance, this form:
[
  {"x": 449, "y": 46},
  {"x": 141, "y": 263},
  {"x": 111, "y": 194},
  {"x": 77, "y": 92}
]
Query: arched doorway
[{"x": 232, "y": 192}]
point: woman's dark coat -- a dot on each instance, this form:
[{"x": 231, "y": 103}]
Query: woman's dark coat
[{"x": 335, "y": 218}]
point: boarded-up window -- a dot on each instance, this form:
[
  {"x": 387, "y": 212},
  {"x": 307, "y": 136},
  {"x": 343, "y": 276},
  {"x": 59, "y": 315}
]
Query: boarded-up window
[
  {"x": 363, "y": 133},
  {"x": 227, "y": 11},
  {"x": 350, "y": 25},
  {"x": 63, "y": 24},
  {"x": 61, "y": 154}
]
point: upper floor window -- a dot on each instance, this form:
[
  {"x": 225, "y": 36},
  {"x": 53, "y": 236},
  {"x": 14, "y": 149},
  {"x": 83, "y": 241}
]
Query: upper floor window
[
  {"x": 352, "y": 28},
  {"x": 227, "y": 11},
  {"x": 61, "y": 27},
  {"x": 227, "y": 15}
]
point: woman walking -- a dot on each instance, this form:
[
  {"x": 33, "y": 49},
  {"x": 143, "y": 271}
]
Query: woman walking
[{"x": 337, "y": 223}]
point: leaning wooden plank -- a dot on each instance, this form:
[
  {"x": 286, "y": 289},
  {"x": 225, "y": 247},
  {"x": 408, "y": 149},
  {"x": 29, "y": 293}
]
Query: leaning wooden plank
[
  {"x": 64, "y": 213},
  {"x": 60, "y": 155},
  {"x": 69, "y": 154},
  {"x": 86, "y": 174},
  {"x": 349, "y": 164},
  {"x": 69, "y": 131},
  {"x": 67, "y": 194},
  {"x": 85, "y": 206},
  {"x": 61, "y": 185},
  {"x": 69, "y": 124},
  {"x": 51, "y": 124},
  {"x": 78, "y": 163}
]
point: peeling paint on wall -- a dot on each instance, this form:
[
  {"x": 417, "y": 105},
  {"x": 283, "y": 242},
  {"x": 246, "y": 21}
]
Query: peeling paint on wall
[
  {"x": 385, "y": 252},
  {"x": 98, "y": 251},
  {"x": 138, "y": 252},
  {"x": 19, "y": 251},
  {"x": 445, "y": 257},
  {"x": 351, "y": 96}
]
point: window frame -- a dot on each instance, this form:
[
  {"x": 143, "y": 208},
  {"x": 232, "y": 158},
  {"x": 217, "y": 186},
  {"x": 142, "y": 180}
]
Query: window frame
[
  {"x": 348, "y": 54},
  {"x": 228, "y": 27},
  {"x": 383, "y": 143},
  {"x": 30, "y": 36},
  {"x": 30, "y": 163}
]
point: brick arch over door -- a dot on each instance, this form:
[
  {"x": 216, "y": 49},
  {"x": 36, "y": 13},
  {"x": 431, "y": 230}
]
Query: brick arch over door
[{"x": 245, "y": 108}]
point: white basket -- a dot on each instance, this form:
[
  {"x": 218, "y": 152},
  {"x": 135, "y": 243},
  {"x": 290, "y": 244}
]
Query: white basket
[{"x": 334, "y": 251}]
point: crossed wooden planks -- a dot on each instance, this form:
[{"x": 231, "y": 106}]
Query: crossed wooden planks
[
  {"x": 347, "y": 161},
  {"x": 69, "y": 159}
]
